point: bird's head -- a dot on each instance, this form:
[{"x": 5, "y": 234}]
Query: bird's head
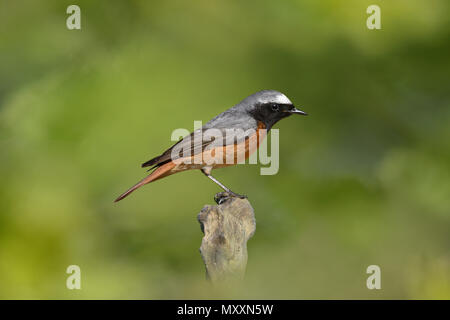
[{"x": 270, "y": 106}]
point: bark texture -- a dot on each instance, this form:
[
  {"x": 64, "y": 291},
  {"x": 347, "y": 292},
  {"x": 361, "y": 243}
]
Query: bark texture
[{"x": 227, "y": 228}]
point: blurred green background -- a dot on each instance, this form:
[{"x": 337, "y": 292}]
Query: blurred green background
[{"x": 365, "y": 179}]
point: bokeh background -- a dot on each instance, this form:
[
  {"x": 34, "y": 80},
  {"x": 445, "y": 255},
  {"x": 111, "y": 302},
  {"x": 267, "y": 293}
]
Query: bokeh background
[{"x": 365, "y": 179}]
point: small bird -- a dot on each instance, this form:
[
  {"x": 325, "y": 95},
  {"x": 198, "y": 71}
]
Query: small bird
[{"x": 255, "y": 114}]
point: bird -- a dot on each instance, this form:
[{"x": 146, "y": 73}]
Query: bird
[{"x": 248, "y": 121}]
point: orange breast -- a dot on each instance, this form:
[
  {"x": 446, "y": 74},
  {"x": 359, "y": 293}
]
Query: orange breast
[
  {"x": 241, "y": 151},
  {"x": 230, "y": 154}
]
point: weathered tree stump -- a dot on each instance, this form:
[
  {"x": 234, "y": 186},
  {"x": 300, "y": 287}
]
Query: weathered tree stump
[{"x": 227, "y": 228}]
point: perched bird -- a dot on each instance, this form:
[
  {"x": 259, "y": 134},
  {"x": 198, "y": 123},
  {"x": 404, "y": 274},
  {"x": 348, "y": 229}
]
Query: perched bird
[{"x": 247, "y": 123}]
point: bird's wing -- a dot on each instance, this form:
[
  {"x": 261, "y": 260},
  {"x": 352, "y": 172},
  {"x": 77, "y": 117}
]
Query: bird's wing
[
  {"x": 187, "y": 144},
  {"x": 197, "y": 142},
  {"x": 166, "y": 155}
]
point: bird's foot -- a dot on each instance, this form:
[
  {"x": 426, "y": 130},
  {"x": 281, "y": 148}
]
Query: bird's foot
[
  {"x": 237, "y": 195},
  {"x": 221, "y": 197}
]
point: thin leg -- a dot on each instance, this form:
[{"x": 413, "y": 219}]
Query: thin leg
[{"x": 222, "y": 186}]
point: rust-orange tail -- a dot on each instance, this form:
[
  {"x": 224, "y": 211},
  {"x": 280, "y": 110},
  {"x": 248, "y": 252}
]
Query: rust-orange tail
[{"x": 159, "y": 173}]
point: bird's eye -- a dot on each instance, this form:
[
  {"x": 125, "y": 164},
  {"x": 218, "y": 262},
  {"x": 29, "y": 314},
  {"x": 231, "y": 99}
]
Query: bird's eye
[{"x": 275, "y": 107}]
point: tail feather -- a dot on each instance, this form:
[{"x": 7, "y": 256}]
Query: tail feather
[{"x": 159, "y": 173}]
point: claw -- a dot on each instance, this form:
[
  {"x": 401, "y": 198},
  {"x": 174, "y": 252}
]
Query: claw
[
  {"x": 237, "y": 195},
  {"x": 227, "y": 195}
]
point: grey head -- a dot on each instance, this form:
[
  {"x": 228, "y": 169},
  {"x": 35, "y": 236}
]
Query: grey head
[{"x": 267, "y": 106}]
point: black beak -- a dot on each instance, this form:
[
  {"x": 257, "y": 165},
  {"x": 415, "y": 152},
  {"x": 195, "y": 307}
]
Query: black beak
[{"x": 296, "y": 111}]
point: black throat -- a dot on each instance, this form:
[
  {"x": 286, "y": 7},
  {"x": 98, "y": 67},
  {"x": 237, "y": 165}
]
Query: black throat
[{"x": 269, "y": 114}]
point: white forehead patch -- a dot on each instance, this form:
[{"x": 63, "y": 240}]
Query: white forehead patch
[
  {"x": 279, "y": 98},
  {"x": 282, "y": 99}
]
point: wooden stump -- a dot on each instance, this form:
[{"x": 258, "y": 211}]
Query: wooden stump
[{"x": 227, "y": 228}]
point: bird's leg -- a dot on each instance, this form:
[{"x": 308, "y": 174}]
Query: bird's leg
[{"x": 208, "y": 174}]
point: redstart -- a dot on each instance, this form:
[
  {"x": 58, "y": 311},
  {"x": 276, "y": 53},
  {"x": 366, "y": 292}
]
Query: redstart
[{"x": 246, "y": 123}]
